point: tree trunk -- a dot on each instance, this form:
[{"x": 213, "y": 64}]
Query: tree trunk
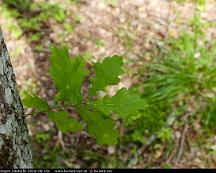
[{"x": 14, "y": 140}]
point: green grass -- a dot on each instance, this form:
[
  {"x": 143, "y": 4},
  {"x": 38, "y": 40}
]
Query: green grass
[
  {"x": 31, "y": 16},
  {"x": 181, "y": 78}
]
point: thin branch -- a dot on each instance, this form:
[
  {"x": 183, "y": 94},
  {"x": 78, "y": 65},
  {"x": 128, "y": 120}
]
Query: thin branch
[{"x": 57, "y": 107}]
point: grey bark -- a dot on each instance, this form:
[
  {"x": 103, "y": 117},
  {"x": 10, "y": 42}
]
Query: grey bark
[{"x": 14, "y": 140}]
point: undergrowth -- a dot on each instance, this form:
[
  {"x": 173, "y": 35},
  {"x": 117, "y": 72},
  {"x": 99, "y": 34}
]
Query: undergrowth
[
  {"x": 180, "y": 80},
  {"x": 32, "y": 17}
]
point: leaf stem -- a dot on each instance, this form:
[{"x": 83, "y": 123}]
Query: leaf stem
[{"x": 57, "y": 107}]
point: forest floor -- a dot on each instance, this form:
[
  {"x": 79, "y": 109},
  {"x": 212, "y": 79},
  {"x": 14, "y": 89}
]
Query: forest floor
[{"x": 95, "y": 29}]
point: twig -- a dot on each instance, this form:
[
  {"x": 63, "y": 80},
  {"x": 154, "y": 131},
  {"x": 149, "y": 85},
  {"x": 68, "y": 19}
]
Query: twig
[
  {"x": 172, "y": 153},
  {"x": 60, "y": 140},
  {"x": 179, "y": 143},
  {"x": 182, "y": 144},
  {"x": 182, "y": 139},
  {"x": 56, "y": 107}
]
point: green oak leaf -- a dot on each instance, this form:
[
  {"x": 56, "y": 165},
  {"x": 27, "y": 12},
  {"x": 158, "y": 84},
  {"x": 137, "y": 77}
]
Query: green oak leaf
[
  {"x": 107, "y": 73},
  {"x": 68, "y": 75},
  {"x": 33, "y": 101},
  {"x": 64, "y": 122},
  {"x": 101, "y": 128},
  {"x": 123, "y": 103}
]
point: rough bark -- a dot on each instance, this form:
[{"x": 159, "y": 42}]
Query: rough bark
[{"x": 14, "y": 140}]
